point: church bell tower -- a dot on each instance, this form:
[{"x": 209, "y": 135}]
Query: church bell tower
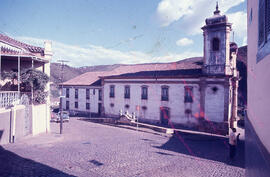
[{"x": 216, "y": 32}]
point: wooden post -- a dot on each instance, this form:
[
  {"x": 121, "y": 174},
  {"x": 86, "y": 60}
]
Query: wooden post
[
  {"x": 32, "y": 85},
  {"x": 19, "y": 74}
]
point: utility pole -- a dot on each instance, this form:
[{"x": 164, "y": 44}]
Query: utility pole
[{"x": 61, "y": 96}]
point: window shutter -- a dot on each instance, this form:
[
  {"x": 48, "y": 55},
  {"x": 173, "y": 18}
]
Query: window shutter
[
  {"x": 267, "y": 19},
  {"x": 261, "y": 36}
]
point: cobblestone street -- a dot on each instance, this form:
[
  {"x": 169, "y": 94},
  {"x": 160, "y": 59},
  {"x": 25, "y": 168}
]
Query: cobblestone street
[{"x": 92, "y": 149}]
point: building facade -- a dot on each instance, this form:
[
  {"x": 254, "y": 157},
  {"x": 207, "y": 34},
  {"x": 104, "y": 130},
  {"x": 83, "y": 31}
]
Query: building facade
[
  {"x": 257, "y": 120},
  {"x": 200, "y": 93},
  {"x": 16, "y": 103}
]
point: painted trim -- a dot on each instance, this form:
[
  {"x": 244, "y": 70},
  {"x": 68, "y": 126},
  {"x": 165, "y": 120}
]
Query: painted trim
[{"x": 165, "y": 82}]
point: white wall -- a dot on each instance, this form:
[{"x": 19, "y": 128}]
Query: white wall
[
  {"x": 258, "y": 80},
  {"x": 82, "y": 99},
  {"x": 153, "y": 103},
  {"x": 40, "y": 121},
  {"x": 214, "y": 103}
]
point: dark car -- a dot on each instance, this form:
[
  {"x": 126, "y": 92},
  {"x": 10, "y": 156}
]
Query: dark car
[{"x": 55, "y": 117}]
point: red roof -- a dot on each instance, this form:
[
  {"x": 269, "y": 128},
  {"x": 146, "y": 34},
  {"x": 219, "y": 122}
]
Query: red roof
[
  {"x": 90, "y": 78},
  {"x": 27, "y": 49}
]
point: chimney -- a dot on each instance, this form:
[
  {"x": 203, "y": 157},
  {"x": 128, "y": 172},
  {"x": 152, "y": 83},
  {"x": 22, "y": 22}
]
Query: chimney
[{"x": 48, "y": 49}]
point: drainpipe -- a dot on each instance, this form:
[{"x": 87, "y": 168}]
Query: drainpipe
[
  {"x": 12, "y": 124},
  {"x": 234, "y": 102}
]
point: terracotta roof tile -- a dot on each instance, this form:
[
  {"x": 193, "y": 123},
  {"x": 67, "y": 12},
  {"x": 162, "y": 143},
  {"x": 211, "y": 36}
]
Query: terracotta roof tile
[
  {"x": 90, "y": 78},
  {"x": 28, "y": 49}
]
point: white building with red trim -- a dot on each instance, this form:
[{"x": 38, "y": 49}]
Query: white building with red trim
[{"x": 198, "y": 92}]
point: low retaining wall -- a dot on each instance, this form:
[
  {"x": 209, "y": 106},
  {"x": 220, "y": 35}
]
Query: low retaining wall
[
  {"x": 17, "y": 122},
  {"x": 12, "y": 124},
  {"x": 40, "y": 119}
]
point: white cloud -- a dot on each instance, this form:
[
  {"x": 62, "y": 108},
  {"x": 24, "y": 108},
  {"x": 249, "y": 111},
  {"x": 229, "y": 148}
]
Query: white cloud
[
  {"x": 98, "y": 55},
  {"x": 191, "y": 12},
  {"x": 184, "y": 42},
  {"x": 239, "y": 21}
]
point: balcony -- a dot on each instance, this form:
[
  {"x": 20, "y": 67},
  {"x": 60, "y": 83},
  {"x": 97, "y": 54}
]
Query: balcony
[
  {"x": 144, "y": 97},
  {"x": 127, "y": 96},
  {"x": 164, "y": 98},
  {"x": 111, "y": 95},
  {"x": 9, "y": 98}
]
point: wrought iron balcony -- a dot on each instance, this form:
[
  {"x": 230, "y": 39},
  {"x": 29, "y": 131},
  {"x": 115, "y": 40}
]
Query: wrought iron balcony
[{"x": 9, "y": 98}]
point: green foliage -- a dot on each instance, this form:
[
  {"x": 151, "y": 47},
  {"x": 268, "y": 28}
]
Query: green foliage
[
  {"x": 38, "y": 80},
  {"x": 35, "y": 78},
  {"x": 29, "y": 78}
]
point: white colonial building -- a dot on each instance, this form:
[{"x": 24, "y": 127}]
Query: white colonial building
[{"x": 198, "y": 92}]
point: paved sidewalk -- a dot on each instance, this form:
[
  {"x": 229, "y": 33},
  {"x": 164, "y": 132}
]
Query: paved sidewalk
[{"x": 91, "y": 149}]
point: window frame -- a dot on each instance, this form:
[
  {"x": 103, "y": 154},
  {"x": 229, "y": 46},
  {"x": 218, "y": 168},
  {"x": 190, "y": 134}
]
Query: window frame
[
  {"x": 215, "y": 44},
  {"x": 188, "y": 94},
  {"x": 87, "y": 106},
  {"x": 87, "y": 93},
  {"x": 67, "y": 105},
  {"x": 76, "y": 105},
  {"x": 99, "y": 94},
  {"x": 264, "y": 25},
  {"x": 166, "y": 96},
  {"x": 144, "y": 95},
  {"x": 76, "y": 95},
  {"x": 67, "y": 92},
  {"x": 112, "y": 91},
  {"x": 127, "y": 92}
]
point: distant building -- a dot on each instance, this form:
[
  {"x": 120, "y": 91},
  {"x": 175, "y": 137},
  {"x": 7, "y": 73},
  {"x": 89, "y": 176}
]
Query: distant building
[
  {"x": 198, "y": 92},
  {"x": 258, "y": 121}
]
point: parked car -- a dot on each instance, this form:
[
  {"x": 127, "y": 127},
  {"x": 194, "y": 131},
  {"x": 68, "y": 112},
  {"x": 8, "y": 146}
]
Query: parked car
[{"x": 55, "y": 117}]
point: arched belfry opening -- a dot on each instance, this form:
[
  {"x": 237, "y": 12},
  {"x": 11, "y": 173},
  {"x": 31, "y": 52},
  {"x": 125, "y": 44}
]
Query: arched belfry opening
[{"x": 215, "y": 44}]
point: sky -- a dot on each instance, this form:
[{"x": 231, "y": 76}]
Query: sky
[{"x": 100, "y": 32}]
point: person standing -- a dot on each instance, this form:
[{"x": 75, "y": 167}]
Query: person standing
[{"x": 232, "y": 143}]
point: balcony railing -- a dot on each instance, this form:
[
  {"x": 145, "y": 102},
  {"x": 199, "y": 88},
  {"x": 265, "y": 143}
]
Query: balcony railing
[
  {"x": 215, "y": 69},
  {"x": 9, "y": 98}
]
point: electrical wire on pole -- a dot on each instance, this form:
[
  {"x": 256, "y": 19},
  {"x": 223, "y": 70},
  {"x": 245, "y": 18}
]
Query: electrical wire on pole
[{"x": 61, "y": 96}]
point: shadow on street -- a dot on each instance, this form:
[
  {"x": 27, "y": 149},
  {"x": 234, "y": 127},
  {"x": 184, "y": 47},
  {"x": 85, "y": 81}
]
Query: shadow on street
[
  {"x": 211, "y": 148},
  {"x": 13, "y": 165}
]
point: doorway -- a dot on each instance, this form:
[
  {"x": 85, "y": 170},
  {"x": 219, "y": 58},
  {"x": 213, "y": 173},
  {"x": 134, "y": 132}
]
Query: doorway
[
  {"x": 164, "y": 115},
  {"x": 99, "y": 108}
]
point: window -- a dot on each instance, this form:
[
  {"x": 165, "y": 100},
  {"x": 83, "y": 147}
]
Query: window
[
  {"x": 164, "y": 93},
  {"x": 144, "y": 92},
  {"x": 188, "y": 94},
  {"x": 94, "y": 91},
  {"x": 87, "y": 94},
  {"x": 100, "y": 94},
  {"x": 215, "y": 44},
  {"x": 76, "y": 104},
  {"x": 127, "y": 92},
  {"x": 76, "y": 93},
  {"x": 263, "y": 29},
  {"x": 67, "y": 105},
  {"x": 67, "y": 92},
  {"x": 87, "y": 106},
  {"x": 112, "y": 91}
]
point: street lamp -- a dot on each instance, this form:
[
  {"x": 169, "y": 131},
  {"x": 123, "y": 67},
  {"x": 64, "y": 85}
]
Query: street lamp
[{"x": 61, "y": 96}]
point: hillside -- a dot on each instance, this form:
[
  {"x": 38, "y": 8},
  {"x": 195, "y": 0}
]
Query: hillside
[{"x": 71, "y": 72}]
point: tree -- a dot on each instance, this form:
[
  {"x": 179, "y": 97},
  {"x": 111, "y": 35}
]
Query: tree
[
  {"x": 30, "y": 78},
  {"x": 38, "y": 80}
]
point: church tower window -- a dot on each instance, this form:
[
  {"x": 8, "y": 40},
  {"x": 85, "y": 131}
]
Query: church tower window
[{"x": 215, "y": 44}]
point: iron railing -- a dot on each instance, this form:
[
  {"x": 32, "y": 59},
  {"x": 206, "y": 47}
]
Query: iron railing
[{"x": 9, "y": 98}]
